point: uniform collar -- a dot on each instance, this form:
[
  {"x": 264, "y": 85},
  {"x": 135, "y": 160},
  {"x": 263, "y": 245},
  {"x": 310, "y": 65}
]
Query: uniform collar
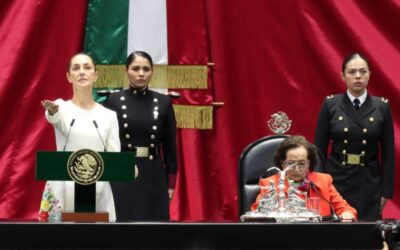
[
  {"x": 362, "y": 97},
  {"x": 137, "y": 91}
]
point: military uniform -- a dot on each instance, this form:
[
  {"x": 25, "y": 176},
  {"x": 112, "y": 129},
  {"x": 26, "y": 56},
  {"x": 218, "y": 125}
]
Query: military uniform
[
  {"x": 361, "y": 161},
  {"x": 147, "y": 127}
]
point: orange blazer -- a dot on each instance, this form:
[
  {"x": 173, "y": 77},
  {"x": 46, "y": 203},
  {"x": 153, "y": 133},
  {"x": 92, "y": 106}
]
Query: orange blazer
[{"x": 324, "y": 185}]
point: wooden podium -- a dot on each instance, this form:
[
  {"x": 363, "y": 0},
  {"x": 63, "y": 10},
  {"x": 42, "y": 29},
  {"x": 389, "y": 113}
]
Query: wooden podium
[{"x": 61, "y": 166}]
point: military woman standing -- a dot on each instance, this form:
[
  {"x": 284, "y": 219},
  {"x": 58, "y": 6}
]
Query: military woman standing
[
  {"x": 147, "y": 127},
  {"x": 359, "y": 129}
]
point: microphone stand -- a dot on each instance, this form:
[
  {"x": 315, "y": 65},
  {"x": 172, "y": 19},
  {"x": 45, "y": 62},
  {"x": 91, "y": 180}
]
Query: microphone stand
[
  {"x": 98, "y": 132},
  {"x": 69, "y": 132}
]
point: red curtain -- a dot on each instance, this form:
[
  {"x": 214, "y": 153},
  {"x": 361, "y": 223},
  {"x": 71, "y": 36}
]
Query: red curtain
[
  {"x": 37, "y": 38},
  {"x": 269, "y": 56}
]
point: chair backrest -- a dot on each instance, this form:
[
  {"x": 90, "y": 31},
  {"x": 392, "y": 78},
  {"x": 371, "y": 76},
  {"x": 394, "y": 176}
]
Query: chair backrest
[{"x": 255, "y": 159}]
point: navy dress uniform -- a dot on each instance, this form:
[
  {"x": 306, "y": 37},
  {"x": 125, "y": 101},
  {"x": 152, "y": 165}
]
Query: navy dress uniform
[
  {"x": 361, "y": 159},
  {"x": 147, "y": 127}
]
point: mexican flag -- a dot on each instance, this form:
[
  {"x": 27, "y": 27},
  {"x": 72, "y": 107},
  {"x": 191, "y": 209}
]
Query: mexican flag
[{"x": 114, "y": 29}]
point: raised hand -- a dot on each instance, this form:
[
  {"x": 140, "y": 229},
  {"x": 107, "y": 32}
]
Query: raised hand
[{"x": 50, "y": 106}]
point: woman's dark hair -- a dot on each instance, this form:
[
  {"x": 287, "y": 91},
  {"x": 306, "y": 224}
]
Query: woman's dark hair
[
  {"x": 135, "y": 54},
  {"x": 81, "y": 53},
  {"x": 295, "y": 142},
  {"x": 350, "y": 57}
]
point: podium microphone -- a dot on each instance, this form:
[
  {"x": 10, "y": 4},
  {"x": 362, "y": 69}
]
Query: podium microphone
[
  {"x": 334, "y": 217},
  {"x": 69, "y": 132},
  {"x": 98, "y": 132}
]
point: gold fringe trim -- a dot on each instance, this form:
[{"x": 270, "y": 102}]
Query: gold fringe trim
[
  {"x": 187, "y": 77},
  {"x": 111, "y": 76},
  {"x": 190, "y": 116},
  {"x": 165, "y": 76}
]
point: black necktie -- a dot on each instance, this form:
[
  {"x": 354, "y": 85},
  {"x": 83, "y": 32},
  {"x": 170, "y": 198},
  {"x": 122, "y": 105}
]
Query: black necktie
[{"x": 356, "y": 104}]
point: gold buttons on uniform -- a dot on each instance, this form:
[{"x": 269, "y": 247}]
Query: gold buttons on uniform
[
  {"x": 364, "y": 142},
  {"x": 124, "y": 116},
  {"x": 127, "y": 136},
  {"x": 344, "y": 151},
  {"x": 154, "y": 127},
  {"x": 365, "y": 130},
  {"x": 155, "y": 108},
  {"x": 151, "y": 145},
  {"x": 340, "y": 118},
  {"x": 371, "y": 119},
  {"x": 152, "y": 136},
  {"x": 362, "y": 152},
  {"x": 345, "y": 141},
  {"x": 151, "y": 157},
  {"x": 122, "y": 98},
  {"x": 155, "y": 100},
  {"x": 123, "y": 107},
  {"x": 125, "y": 125},
  {"x": 346, "y": 130},
  {"x": 129, "y": 145}
]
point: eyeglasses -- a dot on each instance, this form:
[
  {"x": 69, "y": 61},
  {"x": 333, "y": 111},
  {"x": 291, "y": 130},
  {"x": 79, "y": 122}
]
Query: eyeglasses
[{"x": 301, "y": 164}]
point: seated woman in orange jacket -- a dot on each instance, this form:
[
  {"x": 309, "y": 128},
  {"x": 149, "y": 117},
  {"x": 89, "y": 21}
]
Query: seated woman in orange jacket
[{"x": 301, "y": 156}]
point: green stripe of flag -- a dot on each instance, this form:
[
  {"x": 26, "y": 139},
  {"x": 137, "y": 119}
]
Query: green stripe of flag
[{"x": 106, "y": 31}]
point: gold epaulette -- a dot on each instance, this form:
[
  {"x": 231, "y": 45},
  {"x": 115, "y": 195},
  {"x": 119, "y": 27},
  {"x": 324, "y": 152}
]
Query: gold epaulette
[
  {"x": 385, "y": 100},
  {"x": 329, "y": 97}
]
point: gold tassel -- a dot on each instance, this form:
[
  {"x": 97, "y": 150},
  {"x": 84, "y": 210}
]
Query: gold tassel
[
  {"x": 190, "y": 116},
  {"x": 165, "y": 76}
]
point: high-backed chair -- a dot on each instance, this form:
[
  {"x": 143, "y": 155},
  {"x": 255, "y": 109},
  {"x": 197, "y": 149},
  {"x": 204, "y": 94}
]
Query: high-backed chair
[{"x": 254, "y": 161}]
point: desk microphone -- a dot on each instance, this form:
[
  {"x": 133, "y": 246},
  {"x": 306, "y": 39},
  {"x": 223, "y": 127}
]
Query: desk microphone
[
  {"x": 69, "y": 132},
  {"x": 98, "y": 132},
  {"x": 333, "y": 217}
]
